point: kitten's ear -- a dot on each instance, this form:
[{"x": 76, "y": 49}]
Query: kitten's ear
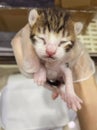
[
  {"x": 32, "y": 18},
  {"x": 78, "y": 26}
]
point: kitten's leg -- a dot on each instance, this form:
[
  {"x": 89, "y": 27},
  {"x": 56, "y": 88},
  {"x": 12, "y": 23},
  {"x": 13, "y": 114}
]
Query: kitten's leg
[
  {"x": 55, "y": 94},
  {"x": 73, "y": 101},
  {"x": 40, "y": 76},
  {"x": 54, "y": 89}
]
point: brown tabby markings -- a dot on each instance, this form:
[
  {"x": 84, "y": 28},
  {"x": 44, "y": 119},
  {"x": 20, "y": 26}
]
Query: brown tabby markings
[{"x": 55, "y": 20}]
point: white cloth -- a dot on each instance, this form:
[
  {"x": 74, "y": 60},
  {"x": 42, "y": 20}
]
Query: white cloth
[{"x": 26, "y": 106}]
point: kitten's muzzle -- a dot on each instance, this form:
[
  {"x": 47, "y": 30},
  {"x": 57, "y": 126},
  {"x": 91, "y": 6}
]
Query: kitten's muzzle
[{"x": 50, "y": 49}]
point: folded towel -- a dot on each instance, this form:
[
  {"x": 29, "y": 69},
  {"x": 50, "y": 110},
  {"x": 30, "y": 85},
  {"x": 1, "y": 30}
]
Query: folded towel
[{"x": 24, "y": 105}]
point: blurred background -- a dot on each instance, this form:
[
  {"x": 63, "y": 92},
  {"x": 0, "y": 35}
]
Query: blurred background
[{"x": 13, "y": 16}]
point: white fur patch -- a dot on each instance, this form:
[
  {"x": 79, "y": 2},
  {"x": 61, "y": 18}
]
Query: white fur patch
[{"x": 52, "y": 42}]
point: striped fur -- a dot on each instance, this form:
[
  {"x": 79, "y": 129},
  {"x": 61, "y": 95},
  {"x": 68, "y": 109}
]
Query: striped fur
[{"x": 54, "y": 20}]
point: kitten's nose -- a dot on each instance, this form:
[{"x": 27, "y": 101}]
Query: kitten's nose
[{"x": 50, "y": 53}]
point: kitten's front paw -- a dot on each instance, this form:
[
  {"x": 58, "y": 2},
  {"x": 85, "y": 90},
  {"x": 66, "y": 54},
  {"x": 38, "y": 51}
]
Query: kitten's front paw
[{"x": 40, "y": 77}]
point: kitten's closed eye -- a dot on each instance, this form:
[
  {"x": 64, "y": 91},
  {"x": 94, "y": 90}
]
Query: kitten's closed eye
[
  {"x": 34, "y": 38},
  {"x": 42, "y": 39},
  {"x": 69, "y": 46},
  {"x": 62, "y": 42}
]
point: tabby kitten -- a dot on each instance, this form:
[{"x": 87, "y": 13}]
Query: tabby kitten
[{"x": 53, "y": 36}]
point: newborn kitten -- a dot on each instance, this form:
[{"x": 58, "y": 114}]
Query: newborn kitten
[{"x": 53, "y": 36}]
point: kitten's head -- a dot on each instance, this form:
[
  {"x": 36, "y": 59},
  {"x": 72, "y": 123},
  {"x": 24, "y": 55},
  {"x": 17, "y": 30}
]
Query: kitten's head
[{"x": 53, "y": 33}]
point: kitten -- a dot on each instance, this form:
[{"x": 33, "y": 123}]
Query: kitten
[{"x": 53, "y": 36}]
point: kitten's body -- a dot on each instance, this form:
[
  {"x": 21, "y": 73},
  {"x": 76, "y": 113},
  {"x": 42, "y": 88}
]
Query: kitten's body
[
  {"x": 54, "y": 70},
  {"x": 53, "y": 39},
  {"x": 48, "y": 45}
]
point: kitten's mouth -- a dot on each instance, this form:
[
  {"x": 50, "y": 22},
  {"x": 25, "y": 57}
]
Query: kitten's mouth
[{"x": 49, "y": 58}]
